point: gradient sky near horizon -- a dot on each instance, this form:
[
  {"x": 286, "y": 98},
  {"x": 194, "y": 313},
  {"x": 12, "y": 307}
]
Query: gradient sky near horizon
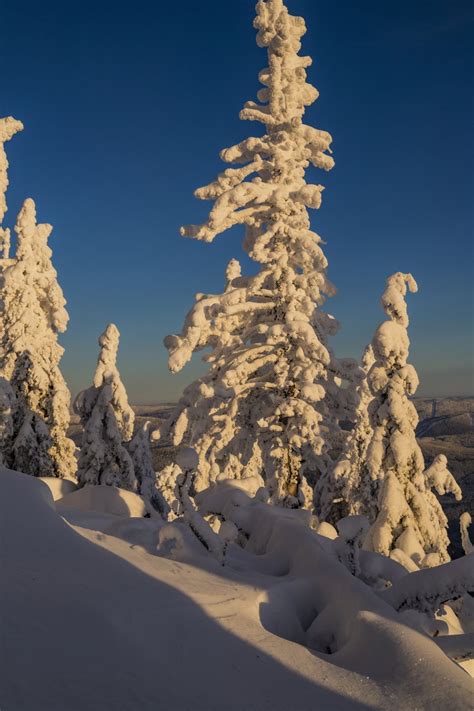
[{"x": 126, "y": 107}]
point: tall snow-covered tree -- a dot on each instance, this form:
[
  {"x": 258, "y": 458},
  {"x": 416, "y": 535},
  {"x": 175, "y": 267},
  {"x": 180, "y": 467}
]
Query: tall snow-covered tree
[
  {"x": 30, "y": 355},
  {"x": 272, "y": 379},
  {"x": 8, "y": 128},
  {"x": 108, "y": 422},
  {"x": 408, "y": 519}
]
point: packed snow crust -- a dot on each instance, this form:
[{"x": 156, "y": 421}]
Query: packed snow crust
[{"x": 95, "y": 615}]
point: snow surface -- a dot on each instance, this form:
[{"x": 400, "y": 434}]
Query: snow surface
[{"x": 95, "y": 617}]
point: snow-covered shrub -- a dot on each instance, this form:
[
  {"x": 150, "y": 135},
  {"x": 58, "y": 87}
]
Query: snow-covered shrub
[
  {"x": 108, "y": 422},
  {"x": 33, "y": 314},
  {"x": 352, "y": 530},
  {"x": 409, "y": 517},
  {"x": 272, "y": 377},
  {"x": 187, "y": 460}
]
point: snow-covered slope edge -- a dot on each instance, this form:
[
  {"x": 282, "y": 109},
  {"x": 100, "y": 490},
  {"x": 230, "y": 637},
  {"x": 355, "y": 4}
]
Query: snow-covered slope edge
[{"x": 91, "y": 621}]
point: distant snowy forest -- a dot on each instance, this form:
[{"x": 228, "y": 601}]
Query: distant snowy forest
[{"x": 287, "y": 461}]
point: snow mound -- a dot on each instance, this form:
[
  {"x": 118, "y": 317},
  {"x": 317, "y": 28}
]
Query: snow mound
[
  {"x": 58, "y": 487},
  {"x": 104, "y": 499}
]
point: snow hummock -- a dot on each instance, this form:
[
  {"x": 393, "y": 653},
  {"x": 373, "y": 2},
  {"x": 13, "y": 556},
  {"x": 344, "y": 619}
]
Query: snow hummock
[
  {"x": 58, "y": 487},
  {"x": 104, "y": 499}
]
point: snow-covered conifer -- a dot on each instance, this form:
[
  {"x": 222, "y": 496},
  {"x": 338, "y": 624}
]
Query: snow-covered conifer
[
  {"x": 347, "y": 488},
  {"x": 409, "y": 517},
  {"x": 140, "y": 452},
  {"x": 272, "y": 377},
  {"x": 30, "y": 355},
  {"x": 8, "y": 128},
  {"x": 108, "y": 422}
]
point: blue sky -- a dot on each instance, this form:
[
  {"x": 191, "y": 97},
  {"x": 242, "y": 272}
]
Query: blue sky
[{"x": 126, "y": 107}]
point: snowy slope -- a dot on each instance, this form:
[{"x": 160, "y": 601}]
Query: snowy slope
[{"x": 93, "y": 620}]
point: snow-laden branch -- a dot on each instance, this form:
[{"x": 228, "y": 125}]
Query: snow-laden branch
[{"x": 426, "y": 590}]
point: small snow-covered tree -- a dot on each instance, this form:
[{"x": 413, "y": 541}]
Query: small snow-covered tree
[
  {"x": 140, "y": 452},
  {"x": 30, "y": 354},
  {"x": 408, "y": 516},
  {"x": 272, "y": 379},
  {"x": 8, "y": 128},
  {"x": 347, "y": 488},
  {"x": 108, "y": 422}
]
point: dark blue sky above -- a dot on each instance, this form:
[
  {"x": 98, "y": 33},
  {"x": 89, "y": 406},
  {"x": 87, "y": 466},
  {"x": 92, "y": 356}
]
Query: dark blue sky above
[{"x": 126, "y": 107}]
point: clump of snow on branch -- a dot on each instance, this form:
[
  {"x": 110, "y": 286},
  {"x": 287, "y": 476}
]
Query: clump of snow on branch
[
  {"x": 409, "y": 521},
  {"x": 440, "y": 478},
  {"x": 33, "y": 315},
  {"x": 272, "y": 378},
  {"x": 108, "y": 422}
]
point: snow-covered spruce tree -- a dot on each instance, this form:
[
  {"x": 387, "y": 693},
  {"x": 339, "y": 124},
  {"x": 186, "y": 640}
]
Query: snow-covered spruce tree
[
  {"x": 272, "y": 380},
  {"x": 30, "y": 355},
  {"x": 346, "y": 488},
  {"x": 8, "y": 128},
  {"x": 140, "y": 452},
  {"x": 409, "y": 517},
  {"x": 108, "y": 422}
]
